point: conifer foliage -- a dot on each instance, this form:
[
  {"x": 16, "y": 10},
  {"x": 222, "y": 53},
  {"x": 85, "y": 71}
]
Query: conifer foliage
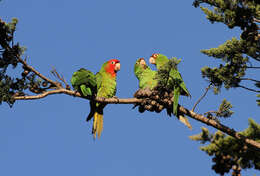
[{"x": 237, "y": 56}]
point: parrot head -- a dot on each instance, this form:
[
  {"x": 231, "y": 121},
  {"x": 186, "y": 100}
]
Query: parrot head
[
  {"x": 153, "y": 58},
  {"x": 158, "y": 60},
  {"x": 112, "y": 66},
  {"x": 140, "y": 67},
  {"x": 141, "y": 63}
]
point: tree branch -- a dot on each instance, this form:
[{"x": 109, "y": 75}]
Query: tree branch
[
  {"x": 220, "y": 127},
  {"x": 249, "y": 79},
  {"x": 60, "y": 77},
  {"x": 57, "y": 84},
  {"x": 182, "y": 109},
  {"x": 253, "y": 67},
  {"x": 77, "y": 94},
  {"x": 207, "y": 89},
  {"x": 253, "y": 90},
  {"x": 256, "y": 20}
]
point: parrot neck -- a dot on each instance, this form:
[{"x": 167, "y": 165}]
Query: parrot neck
[{"x": 160, "y": 61}]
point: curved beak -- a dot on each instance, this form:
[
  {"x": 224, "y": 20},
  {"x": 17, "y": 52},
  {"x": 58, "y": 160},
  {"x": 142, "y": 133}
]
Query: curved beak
[
  {"x": 142, "y": 62},
  {"x": 117, "y": 67},
  {"x": 152, "y": 60}
]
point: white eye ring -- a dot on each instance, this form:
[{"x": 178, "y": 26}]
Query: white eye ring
[{"x": 113, "y": 62}]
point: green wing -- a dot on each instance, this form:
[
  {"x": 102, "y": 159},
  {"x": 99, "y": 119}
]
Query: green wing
[
  {"x": 161, "y": 60},
  {"x": 176, "y": 95},
  {"x": 84, "y": 81},
  {"x": 178, "y": 81}
]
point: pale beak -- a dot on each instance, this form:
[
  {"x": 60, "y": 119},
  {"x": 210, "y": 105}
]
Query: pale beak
[
  {"x": 152, "y": 60},
  {"x": 142, "y": 62},
  {"x": 117, "y": 67}
]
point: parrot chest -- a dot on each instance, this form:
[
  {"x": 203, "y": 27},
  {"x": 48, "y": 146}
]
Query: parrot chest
[{"x": 107, "y": 87}]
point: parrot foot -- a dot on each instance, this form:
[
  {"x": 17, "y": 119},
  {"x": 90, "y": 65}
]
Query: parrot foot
[
  {"x": 102, "y": 98},
  {"x": 116, "y": 98}
]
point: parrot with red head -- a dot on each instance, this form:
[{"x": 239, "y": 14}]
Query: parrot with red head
[
  {"x": 106, "y": 88},
  {"x": 103, "y": 85}
]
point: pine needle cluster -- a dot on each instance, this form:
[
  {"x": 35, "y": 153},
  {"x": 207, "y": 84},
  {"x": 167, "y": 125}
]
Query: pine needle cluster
[
  {"x": 227, "y": 152},
  {"x": 15, "y": 84}
]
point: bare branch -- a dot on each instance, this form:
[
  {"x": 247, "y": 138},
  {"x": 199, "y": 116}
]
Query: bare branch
[
  {"x": 253, "y": 90},
  {"x": 57, "y": 84},
  {"x": 77, "y": 94},
  {"x": 253, "y": 67},
  {"x": 249, "y": 79},
  {"x": 256, "y": 20},
  {"x": 207, "y": 89},
  {"x": 60, "y": 77}
]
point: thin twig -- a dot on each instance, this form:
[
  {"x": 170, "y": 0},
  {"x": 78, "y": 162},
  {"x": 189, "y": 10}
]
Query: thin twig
[
  {"x": 57, "y": 84},
  {"x": 253, "y": 67},
  {"x": 256, "y": 20},
  {"x": 210, "y": 112},
  {"x": 205, "y": 93},
  {"x": 249, "y": 79},
  {"x": 253, "y": 90},
  {"x": 7, "y": 47},
  {"x": 60, "y": 77}
]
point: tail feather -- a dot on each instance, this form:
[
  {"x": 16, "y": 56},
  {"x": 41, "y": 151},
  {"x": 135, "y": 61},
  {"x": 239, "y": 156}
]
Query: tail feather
[
  {"x": 97, "y": 125},
  {"x": 92, "y": 105},
  {"x": 185, "y": 121}
]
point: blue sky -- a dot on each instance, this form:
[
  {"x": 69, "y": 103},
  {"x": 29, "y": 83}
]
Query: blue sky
[{"x": 50, "y": 136}]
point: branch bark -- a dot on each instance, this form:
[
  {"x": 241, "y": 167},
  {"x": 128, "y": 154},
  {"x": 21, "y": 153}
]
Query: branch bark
[
  {"x": 206, "y": 91},
  {"x": 182, "y": 109}
]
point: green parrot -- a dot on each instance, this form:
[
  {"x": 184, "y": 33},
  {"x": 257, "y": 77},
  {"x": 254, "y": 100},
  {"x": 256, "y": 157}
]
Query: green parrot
[
  {"x": 144, "y": 74},
  {"x": 84, "y": 82},
  {"x": 175, "y": 80},
  {"x": 105, "y": 87}
]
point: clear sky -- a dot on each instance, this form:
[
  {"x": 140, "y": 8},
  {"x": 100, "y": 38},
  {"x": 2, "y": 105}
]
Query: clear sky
[{"x": 50, "y": 136}]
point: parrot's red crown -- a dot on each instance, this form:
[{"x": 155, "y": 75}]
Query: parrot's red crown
[
  {"x": 113, "y": 61},
  {"x": 155, "y": 55},
  {"x": 112, "y": 67}
]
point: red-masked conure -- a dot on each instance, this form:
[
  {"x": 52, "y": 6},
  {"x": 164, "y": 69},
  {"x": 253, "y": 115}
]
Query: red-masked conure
[
  {"x": 175, "y": 80},
  {"x": 104, "y": 87}
]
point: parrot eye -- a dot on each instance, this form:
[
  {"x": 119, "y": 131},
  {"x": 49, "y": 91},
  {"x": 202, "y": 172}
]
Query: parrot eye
[
  {"x": 155, "y": 55},
  {"x": 113, "y": 62}
]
